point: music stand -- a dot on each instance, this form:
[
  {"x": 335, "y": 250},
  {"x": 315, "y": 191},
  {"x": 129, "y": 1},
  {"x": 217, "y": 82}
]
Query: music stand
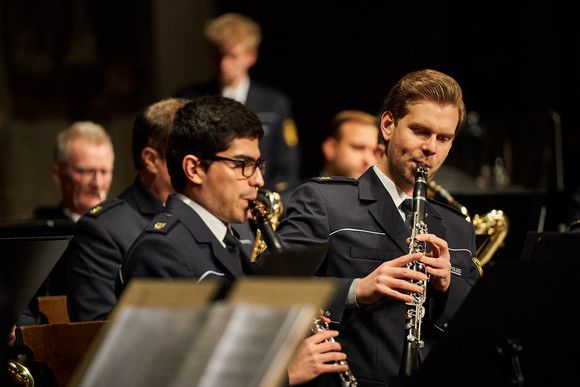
[
  {"x": 26, "y": 262},
  {"x": 549, "y": 245},
  {"x": 518, "y": 321}
]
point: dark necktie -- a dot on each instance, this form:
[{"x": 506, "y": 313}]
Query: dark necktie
[
  {"x": 233, "y": 246},
  {"x": 237, "y": 249},
  {"x": 407, "y": 207}
]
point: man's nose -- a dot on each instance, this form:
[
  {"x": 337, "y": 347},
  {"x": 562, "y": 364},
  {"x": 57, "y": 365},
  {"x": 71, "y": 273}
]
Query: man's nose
[
  {"x": 429, "y": 145},
  {"x": 99, "y": 179},
  {"x": 257, "y": 179}
]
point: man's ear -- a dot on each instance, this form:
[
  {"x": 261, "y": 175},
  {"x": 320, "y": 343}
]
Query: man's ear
[
  {"x": 192, "y": 169},
  {"x": 387, "y": 125},
  {"x": 55, "y": 170},
  {"x": 149, "y": 158},
  {"x": 252, "y": 58},
  {"x": 329, "y": 148}
]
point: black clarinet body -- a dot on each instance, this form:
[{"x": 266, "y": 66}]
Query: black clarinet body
[{"x": 415, "y": 311}]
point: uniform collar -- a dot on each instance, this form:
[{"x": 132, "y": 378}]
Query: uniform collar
[
  {"x": 239, "y": 93},
  {"x": 216, "y": 226},
  {"x": 396, "y": 193}
]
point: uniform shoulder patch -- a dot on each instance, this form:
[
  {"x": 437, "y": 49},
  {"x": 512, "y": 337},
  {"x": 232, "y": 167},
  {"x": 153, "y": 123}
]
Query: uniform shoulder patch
[
  {"x": 103, "y": 207},
  {"x": 162, "y": 223},
  {"x": 335, "y": 179},
  {"x": 290, "y": 132}
]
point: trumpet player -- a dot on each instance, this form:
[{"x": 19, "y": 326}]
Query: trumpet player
[{"x": 364, "y": 224}]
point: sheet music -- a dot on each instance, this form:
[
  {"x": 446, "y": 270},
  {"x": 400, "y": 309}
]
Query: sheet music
[{"x": 218, "y": 345}]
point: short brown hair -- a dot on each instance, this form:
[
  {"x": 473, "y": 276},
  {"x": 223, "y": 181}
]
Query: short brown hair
[
  {"x": 151, "y": 128},
  {"x": 426, "y": 84},
  {"x": 349, "y": 115},
  {"x": 233, "y": 28}
]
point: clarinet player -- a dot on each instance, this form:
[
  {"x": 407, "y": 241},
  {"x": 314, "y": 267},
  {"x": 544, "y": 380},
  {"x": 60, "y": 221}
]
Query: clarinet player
[{"x": 364, "y": 222}]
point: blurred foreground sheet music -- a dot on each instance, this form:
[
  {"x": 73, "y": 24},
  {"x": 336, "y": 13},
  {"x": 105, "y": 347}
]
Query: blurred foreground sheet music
[{"x": 217, "y": 345}]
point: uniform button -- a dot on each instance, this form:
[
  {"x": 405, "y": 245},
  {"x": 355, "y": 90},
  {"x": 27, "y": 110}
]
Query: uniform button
[
  {"x": 327, "y": 313},
  {"x": 445, "y": 325}
]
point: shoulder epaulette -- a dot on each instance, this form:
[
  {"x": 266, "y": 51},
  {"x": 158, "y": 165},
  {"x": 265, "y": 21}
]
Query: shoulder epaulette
[
  {"x": 162, "y": 223},
  {"x": 335, "y": 179},
  {"x": 103, "y": 207}
]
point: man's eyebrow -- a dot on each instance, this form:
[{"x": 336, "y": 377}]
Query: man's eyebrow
[
  {"x": 244, "y": 157},
  {"x": 418, "y": 126}
]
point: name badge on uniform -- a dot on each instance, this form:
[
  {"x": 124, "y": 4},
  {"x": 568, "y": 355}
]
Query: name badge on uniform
[{"x": 456, "y": 270}]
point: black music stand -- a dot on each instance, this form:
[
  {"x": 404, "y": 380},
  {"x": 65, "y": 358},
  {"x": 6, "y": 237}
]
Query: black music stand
[
  {"x": 26, "y": 262},
  {"x": 517, "y": 327},
  {"x": 549, "y": 245}
]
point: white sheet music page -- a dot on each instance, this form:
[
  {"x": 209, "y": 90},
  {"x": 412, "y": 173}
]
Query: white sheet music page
[{"x": 219, "y": 345}]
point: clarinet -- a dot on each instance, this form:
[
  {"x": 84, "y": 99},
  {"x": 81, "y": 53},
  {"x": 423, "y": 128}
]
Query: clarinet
[
  {"x": 415, "y": 309},
  {"x": 347, "y": 379}
]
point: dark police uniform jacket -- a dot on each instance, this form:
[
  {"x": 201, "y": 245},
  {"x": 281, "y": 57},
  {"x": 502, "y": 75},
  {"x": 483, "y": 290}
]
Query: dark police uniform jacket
[
  {"x": 364, "y": 228},
  {"x": 280, "y": 142},
  {"x": 178, "y": 244},
  {"x": 101, "y": 238}
]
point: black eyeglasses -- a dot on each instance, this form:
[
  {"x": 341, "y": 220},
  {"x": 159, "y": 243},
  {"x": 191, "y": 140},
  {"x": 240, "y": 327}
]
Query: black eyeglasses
[{"x": 248, "y": 166}]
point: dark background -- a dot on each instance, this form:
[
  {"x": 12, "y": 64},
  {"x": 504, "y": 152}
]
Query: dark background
[{"x": 518, "y": 63}]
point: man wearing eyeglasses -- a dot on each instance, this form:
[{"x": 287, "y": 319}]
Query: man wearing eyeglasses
[
  {"x": 214, "y": 162},
  {"x": 82, "y": 169},
  {"x": 215, "y": 167}
]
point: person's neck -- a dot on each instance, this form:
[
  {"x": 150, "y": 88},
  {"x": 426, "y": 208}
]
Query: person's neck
[
  {"x": 328, "y": 171},
  {"x": 154, "y": 185},
  {"x": 236, "y": 82},
  {"x": 72, "y": 215},
  {"x": 383, "y": 167}
]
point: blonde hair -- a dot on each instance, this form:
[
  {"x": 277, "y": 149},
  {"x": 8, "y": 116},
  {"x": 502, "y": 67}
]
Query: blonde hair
[
  {"x": 86, "y": 130},
  {"x": 232, "y": 28}
]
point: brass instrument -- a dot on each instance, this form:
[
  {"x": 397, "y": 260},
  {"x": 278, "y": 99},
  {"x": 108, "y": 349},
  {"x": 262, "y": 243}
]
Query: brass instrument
[
  {"x": 19, "y": 375},
  {"x": 266, "y": 211},
  {"x": 443, "y": 195},
  {"x": 416, "y": 309},
  {"x": 347, "y": 379},
  {"x": 493, "y": 224}
]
